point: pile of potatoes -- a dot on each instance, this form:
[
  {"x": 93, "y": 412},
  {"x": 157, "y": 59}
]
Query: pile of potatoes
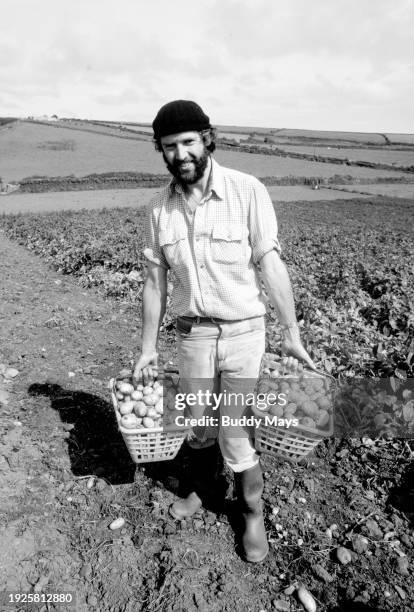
[
  {"x": 308, "y": 398},
  {"x": 145, "y": 406}
]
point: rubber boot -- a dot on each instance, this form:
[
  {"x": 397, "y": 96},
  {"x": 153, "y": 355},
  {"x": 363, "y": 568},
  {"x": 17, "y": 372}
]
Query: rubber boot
[
  {"x": 249, "y": 489},
  {"x": 205, "y": 488}
]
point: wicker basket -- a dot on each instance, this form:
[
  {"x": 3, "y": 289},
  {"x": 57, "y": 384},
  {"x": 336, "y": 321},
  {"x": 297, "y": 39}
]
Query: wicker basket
[
  {"x": 293, "y": 443},
  {"x": 146, "y": 445}
]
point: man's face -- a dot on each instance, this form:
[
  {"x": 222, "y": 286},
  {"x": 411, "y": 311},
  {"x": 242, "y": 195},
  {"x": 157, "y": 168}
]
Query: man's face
[{"x": 186, "y": 156}]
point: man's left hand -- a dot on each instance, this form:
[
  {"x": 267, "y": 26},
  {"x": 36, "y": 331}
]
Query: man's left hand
[{"x": 293, "y": 349}]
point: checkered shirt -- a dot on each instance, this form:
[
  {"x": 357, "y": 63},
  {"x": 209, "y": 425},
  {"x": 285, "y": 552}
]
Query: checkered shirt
[{"x": 214, "y": 251}]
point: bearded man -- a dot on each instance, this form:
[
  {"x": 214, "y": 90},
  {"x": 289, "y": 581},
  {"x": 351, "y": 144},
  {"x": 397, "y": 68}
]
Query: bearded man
[{"x": 214, "y": 227}]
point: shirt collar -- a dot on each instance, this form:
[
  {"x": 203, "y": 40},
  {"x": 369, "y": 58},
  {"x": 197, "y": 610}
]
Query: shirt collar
[{"x": 215, "y": 183}]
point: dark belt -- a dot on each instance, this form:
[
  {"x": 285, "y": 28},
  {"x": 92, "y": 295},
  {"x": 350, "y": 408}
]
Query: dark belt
[
  {"x": 199, "y": 320},
  {"x": 185, "y": 324}
]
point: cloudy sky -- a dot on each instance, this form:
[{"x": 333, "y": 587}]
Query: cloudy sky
[{"x": 318, "y": 64}]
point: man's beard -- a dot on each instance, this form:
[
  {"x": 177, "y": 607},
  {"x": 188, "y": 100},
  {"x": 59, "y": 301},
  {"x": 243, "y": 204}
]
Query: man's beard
[{"x": 189, "y": 178}]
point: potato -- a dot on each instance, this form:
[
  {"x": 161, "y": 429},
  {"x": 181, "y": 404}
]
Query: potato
[
  {"x": 264, "y": 386},
  {"x": 136, "y": 395},
  {"x": 322, "y": 419},
  {"x": 150, "y": 400},
  {"x": 290, "y": 408},
  {"x": 343, "y": 555},
  {"x": 152, "y": 413},
  {"x": 119, "y": 396},
  {"x": 324, "y": 402},
  {"x": 294, "y": 396},
  {"x": 147, "y": 390},
  {"x": 159, "y": 406},
  {"x": 117, "y": 523},
  {"x": 306, "y": 599},
  {"x": 129, "y": 421},
  {"x": 140, "y": 409},
  {"x": 126, "y": 407},
  {"x": 310, "y": 408},
  {"x": 125, "y": 388},
  {"x": 274, "y": 385},
  {"x": 276, "y": 411},
  {"x": 148, "y": 422},
  {"x": 314, "y": 396},
  {"x": 307, "y": 422}
]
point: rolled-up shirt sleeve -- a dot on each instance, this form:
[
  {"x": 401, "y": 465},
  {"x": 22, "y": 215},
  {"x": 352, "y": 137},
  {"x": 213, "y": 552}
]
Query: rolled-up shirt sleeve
[
  {"x": 153, "y": 252},
  {"x": 262, "y": 223}
]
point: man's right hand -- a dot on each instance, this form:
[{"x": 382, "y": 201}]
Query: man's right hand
[{"x": 146, "y": 368}]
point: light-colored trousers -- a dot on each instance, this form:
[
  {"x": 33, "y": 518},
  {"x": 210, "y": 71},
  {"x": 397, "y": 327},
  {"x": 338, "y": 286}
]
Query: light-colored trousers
[{"x": 223, "y": 357}]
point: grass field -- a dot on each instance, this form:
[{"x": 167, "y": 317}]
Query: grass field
[
  {"x": 401, "y": 138},
  {"x": 34, "y": 149},
  {"x": 30, "y": 149},
  {"x": 113, "y": 129}
]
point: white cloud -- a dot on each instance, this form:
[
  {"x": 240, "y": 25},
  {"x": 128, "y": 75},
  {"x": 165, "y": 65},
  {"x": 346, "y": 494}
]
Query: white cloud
[{"x": 341, "y": 64}]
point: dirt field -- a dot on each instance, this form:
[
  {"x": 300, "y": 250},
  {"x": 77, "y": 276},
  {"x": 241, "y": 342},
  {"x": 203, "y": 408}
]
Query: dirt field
[
  {"x": 76, "y": 200},
  {"x": 59, "y": 432},
  {"x": 262, "y": 165},
  {"x": 121, "y": 198},
  {"x": 395, "y": 191},
  {"x": 387, "y": 156},
  {"x": 330, "y": 135},
  {"x": 30, "y": 149}
]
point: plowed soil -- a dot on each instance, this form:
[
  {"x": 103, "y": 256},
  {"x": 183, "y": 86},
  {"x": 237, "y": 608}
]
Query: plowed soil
[{"x": 58, "y": 431}]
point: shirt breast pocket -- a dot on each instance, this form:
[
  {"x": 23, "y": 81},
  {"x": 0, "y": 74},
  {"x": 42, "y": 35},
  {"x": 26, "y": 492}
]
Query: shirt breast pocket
[
  {"x": 228, "y": 244},
  {"x": 173, "y": 241}
]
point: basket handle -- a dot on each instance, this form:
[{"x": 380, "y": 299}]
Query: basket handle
[{"x": 323, "y": 373}]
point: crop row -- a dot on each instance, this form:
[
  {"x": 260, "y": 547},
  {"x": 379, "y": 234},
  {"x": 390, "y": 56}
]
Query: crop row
[{"x": 350, "y": 264}]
